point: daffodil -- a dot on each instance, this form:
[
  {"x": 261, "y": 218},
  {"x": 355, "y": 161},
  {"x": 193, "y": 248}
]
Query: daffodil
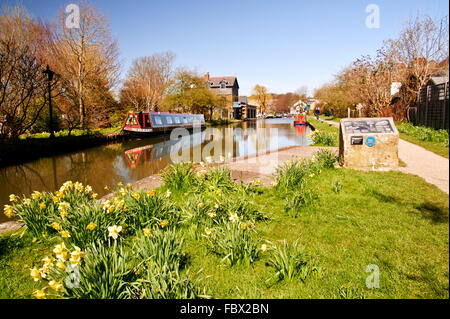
[
  {"x": 212, "y": 214},
  {"x": 216, "y": 206},
  {"x": 168, "y": 193},
  {"x": 233, "y": 217},
  {"x": 8, "y": 210},
  {"x": 151, "y": 193},
  {"x": 35, "y": 274},
  {"x": 48, "y": 261},
  {"x": 200, "y": 205},
  {"x": 27, "y": 201},
  {"x": 128, "y": 185},
  {"x": 55, "y": 199},
  {"x": 78, "y": 186},
  {"x": 36, "y": 195},
  {"x": 119, "y": 184},
  {"x": 211, "y": 188},
  {"x": 164, "y": 223},
  {"x": 88, "y": 189},
  {"x": 274, "y": 184},
  {"x": 219, "y": 192},
  {"x": 91, "y": 226},
  {"x": 147, "y": 232},
  {"x": 114, "y": 231},
  {"x": 258, "y": 181},
  {"x": 64, "y": 234},
  {"x": 75, "y": 257},
  {"x": 55, "y": 285},
  {"x": 136, "y": 196},
  {"x": 106, "y": 188},
  {"x": 244, "y": 226},
  {"x": 39, "y": 294},
  {"x": 60, "y": 251},
  {"x": 42, "y": 206},
  {"x": 60, "y": 264},
  {"x": 56, "y": 226},
  {"x": 209, "y": 231},
  {"x": 264, "y": 247},
  {"x": 94, "y": 195},
  {"x": 13, "y": 198}
]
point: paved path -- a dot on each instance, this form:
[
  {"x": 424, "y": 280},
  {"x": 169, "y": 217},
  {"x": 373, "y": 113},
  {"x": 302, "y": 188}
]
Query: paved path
[{"x": 431, "y": 167}]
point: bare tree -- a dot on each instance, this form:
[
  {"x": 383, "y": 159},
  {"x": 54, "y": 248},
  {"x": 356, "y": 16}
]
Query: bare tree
[
  {"x": 86, "y": 57},
  {"x": 22, "y": 83},
  {"x": 421, "y": 46},
  {"x": 148, "y": 80}
]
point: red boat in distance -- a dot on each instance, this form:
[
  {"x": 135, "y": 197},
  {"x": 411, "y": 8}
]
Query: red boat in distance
[{"x": 300, "y": 120}]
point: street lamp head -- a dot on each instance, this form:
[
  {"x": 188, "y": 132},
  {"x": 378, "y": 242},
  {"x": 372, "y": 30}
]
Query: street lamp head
[{"x": 49, "y": 73}]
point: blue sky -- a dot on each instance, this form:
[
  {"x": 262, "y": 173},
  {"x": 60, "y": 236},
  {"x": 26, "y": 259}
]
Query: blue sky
[{"x": 280, "y": 44}]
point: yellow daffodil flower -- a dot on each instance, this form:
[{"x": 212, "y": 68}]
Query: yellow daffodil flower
[
  {"x": 264, "y": 247},
  {"x": 114, "y": 231},
  {"x": 8, "y": 210},
  {"x": 64, "y": 234},
  {"x": 151, "y": 193},
  {"x": 147, "y": 232},
  {"x": 55, "y": 285},
  {"x": 233, "y": 217},
  {"x": 13, "y": 198},
  {"x": 42, "y": 205},
  {"x": 164, "y": 223},
  {"x": 35, "y": 274},
  {"x": 39, "y": 294},
  {"x": 56, "y": 226},
  {"x": 91, "y": 226}
]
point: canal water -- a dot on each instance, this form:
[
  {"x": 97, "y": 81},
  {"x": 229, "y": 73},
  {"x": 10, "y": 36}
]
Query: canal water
[{"x": 132, "y": 160}]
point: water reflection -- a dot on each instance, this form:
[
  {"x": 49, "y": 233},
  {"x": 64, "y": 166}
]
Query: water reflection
[{"x": 135, "y": 159}]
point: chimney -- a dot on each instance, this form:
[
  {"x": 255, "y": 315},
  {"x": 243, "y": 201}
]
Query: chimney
[{"x": 207, "y": 76}]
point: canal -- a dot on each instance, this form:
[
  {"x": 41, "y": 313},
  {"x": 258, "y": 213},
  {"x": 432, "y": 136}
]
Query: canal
[{"x": 132, "y": 160}]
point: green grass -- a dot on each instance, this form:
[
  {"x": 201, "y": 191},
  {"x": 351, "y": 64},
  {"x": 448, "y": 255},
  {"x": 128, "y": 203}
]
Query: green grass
[
  {"x": 374, "y": 218},
  {"x": 329, "y": 133},
  {"x": 436, "y": 141},
  {"x": 65, "y": 133}
]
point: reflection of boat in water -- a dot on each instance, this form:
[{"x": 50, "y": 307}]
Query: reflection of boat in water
[
  {"x": 151, "y": 123},
  {"x": 153, "y": 152}
]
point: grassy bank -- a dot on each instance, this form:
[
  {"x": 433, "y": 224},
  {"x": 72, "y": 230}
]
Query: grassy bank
[
  {"x": 225, "y": 240},
  {"x": 325, "y": 134},
  {"x": 30, "y": 147},
  {"x": 436, "y": 141}
]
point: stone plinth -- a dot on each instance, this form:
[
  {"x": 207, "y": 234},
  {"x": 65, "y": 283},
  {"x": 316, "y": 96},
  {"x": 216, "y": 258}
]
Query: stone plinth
[{"x": 369, "y": 144}]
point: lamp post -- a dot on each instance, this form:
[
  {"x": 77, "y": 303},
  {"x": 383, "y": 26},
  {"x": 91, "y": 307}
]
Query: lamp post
[{"x": 50, "y": 74}]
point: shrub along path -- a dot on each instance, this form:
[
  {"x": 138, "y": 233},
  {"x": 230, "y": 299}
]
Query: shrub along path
[{"x": 431, "y": 167}]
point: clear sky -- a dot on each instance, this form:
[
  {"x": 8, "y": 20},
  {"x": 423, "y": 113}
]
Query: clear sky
[{"x": 281, "y": 44}]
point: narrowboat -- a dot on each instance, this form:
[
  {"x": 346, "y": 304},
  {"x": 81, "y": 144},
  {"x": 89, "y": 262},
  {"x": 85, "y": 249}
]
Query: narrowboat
[
  {"x": 300, "y": 120},
  {"x": 151, "y": 123}
]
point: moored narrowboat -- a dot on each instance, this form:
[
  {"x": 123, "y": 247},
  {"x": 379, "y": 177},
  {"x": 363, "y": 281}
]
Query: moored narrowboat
[{"x": 149, "y": 123}]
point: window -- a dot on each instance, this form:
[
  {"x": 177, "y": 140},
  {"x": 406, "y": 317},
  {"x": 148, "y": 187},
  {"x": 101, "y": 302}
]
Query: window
[
  {"x": 158, "y": 120},
  {"x": 169, "y": 120},
  {"x": 177, "y": 120},
  {"x": 131, "y": 120},
  {"x": 223, "y": 85},
  {"x": 184, "y": 120}
]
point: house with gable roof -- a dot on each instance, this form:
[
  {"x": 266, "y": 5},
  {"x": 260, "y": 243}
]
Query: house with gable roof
[{"x": 228, "y": 87}]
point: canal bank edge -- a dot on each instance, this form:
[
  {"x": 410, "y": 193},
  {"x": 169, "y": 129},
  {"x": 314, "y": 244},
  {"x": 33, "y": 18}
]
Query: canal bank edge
[
  {"x": 241, "y": 170},
  {"x": 33, "y": 149}
]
